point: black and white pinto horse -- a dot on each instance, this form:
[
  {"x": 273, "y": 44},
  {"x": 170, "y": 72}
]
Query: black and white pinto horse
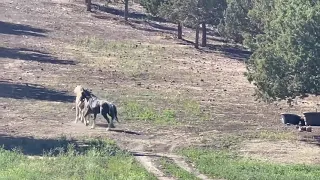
[{"x": 94, "y": 105}]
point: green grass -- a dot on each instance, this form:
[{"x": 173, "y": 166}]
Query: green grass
[
  {"x": 136, "y": 111},
  {"x": 222, "y": 164},
  {"x": 98, "y": 160},
  {"x": 193, "y": 109},
  {"x": 171, "y": 168},
  {"x": 163, "y": 111}
]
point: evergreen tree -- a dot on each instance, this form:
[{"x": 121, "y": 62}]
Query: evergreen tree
[{"x": 285, "y": 62}]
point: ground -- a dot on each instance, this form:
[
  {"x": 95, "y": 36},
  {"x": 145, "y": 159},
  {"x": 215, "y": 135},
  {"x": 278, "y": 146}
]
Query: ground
[{"x": 192, "y": 97}]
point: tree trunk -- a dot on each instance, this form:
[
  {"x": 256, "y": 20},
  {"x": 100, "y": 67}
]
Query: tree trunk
[
  {"x": 196, "y": 43},
  {"x": 126, "y": 9},
  {"x": 88, "y": 5},
  {"x": 204, "y": 35},
  {"x": 179, "y": 30}
]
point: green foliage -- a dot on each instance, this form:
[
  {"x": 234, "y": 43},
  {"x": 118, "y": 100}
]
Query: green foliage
[
  {"x": 235, "y": 20},
  {"x": 151, "y": 6},
  {"x": 173, "y": 10},
  {"x": 226, "y": 165},
  {"x": 212, "y": 11},
  {"x": 193, "y": 12},
  {"x": 285, "y": 63},
  {"x": 244, "y": 18}
]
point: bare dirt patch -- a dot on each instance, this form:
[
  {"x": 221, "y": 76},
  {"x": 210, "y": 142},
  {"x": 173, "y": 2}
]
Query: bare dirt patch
[{"x": 289, "y": 152}]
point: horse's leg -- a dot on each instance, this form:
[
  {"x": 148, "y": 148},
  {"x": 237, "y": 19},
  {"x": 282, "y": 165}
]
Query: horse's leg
[
  {"x": 113, "y": 114},
  {"x": 87, "y": 120},
  {"x": 94, "y": 120},
  {"x": 85, "y": 117},
  {"x": 77, "y": 113},
  {"x": 110, "y": 123},
  {"x": 82, "y": 111},
  {"x": 105, "y": 117}
]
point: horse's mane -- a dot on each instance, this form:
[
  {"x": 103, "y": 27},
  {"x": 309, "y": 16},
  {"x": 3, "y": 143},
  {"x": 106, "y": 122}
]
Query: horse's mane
[{"x": 88, "y": 93}]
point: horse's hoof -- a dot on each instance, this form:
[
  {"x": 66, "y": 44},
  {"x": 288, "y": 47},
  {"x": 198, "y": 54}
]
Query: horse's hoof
[{"x": 108, "y": 129}]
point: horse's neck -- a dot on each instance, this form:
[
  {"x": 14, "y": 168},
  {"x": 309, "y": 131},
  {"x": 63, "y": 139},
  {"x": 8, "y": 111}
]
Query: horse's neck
[
  {"x": 94, "y": 98},
  {"x": 93, "y": 101}
]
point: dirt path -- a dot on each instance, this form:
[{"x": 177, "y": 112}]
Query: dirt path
[
  {"x": 144, "y": 158},
  {"x": 147, "y": 148}
]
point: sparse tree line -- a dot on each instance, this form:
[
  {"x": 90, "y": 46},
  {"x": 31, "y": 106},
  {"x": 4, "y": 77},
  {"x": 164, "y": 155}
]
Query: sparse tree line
[
  {"x": 191, "y": 13},
  {"x": 283, "y": 35}
]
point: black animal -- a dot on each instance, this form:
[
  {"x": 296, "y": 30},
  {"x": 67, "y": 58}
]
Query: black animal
[{"x": 94, "y": 105}]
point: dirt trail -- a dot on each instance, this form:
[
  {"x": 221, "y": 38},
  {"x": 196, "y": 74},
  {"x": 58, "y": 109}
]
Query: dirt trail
[
  {"x": 179, "y": 160},
  {"x": 147, "y": 148}
]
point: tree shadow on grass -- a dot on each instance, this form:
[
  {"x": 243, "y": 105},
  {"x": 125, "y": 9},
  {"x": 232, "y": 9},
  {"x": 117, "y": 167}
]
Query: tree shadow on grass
[
  {"x": 32, "y": 91},
  {"x": 138, "y": 24},
  {"x": 136, "y": 19},
  {"x": 31, "y": 146},
  {"x": 34, "y": 147},
  {"x": 229, "y": 51},
  {"x": 32, "y": 55},
  {"x": 118, "y": 12},
  {"x": 20, "y": 29}
]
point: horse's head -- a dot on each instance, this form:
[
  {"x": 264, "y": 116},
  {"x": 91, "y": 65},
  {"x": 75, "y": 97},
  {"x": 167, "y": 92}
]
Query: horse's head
[
  {"x": 78, "y": 89},
  {"x": 85, "y": 94}
]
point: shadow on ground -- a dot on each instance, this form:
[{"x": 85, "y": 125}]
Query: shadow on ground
[
  {"x": 32, "y": 55},
  {"x": 133, "y": 15},
  {"x": 37, "y": 147},
  {"x": 312, "y": 139},
  {"x": 34, "y": 147},
  {"x": 150, "y": 27},
  {"x": 229, "y": 51},
  {"x": 125, "y": 131},
  {"x": 232, "y": 52},
  {"x": 138, "y": 21},
  {"x": 136, "y": 153},
  {"x": 20, "y": 29},
  {"x": 32, "y": 91},
  {"x": 118, "y": 130}
]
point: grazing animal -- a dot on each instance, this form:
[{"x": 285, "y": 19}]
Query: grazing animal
[
  {"x": 78, "y": 90},
  {"x": 94, "y": 105}
]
